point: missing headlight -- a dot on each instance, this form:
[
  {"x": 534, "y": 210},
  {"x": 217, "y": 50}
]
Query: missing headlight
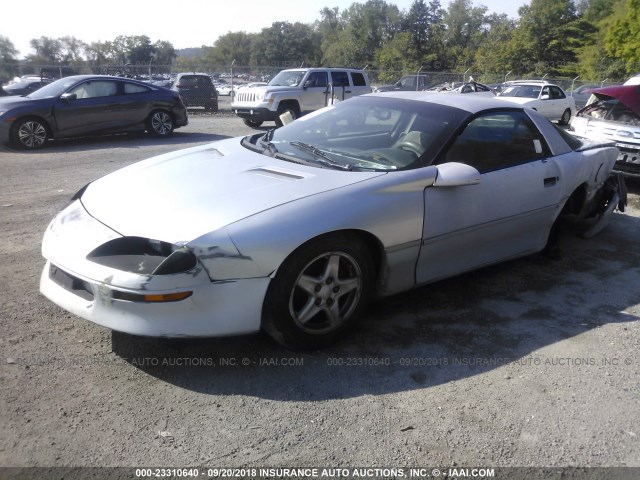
[{"x": 144, "y": 256}]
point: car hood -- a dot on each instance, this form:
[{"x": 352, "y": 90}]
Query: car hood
[
  {"x": 629, "y": 95},
  {"x": 13, "y": 101},
  {"x": 180, "y": 196},
  {"x": 275, "y": 88}
]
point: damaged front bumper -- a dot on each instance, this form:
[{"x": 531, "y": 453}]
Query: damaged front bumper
[{"x": 87, "y": 274}]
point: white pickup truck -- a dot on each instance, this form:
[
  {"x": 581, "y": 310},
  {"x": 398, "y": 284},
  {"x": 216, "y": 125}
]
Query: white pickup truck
[{"x": 298, "y": 91}]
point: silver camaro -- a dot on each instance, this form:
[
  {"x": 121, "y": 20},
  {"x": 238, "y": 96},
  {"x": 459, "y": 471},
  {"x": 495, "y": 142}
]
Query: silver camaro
[{"x": 293, "y": 231}]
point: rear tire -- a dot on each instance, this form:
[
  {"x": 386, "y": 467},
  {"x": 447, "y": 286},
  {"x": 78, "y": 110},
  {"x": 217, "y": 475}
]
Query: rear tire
[
  {"x": 160, "y": 124},
  {"x": 29, "y": 133},
  {"x": 566, "y": 117},
  {"x": 319, "y": 291}
]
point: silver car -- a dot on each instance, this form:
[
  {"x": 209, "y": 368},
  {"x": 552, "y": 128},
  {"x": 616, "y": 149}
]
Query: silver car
[{"x": 295, "y": 230}]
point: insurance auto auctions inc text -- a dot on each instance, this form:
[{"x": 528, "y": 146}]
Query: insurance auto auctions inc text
[{"x": 351, "y": 473}]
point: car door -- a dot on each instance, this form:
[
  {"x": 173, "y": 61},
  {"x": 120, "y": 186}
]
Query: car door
[
  {"x": 90, "y": 106},
  {"x": 130, "y": 107},
  {"x": 315, "y": 91},
  {"x": 562, "y": 102},
  {"x": 341, "y": 86},
  {"x": 507, "y": 214},
  {"x": 548, "y": 105}
]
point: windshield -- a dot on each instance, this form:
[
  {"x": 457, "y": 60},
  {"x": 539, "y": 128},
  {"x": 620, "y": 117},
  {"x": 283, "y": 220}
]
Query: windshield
[
  {"x": 366, "y": 133},
  {"x": 523, "y": 91},
  {"x": 287, "y": 78},
  {"x": 54, "y": 89}
]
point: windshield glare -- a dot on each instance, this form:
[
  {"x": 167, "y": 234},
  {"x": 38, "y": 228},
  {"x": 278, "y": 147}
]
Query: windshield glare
[
  {"x": 287, "y": 79},
  {"x": 54, "y": 89},
  {"x": 523, "y": 91},
  {"x": 367, "y": 133}
]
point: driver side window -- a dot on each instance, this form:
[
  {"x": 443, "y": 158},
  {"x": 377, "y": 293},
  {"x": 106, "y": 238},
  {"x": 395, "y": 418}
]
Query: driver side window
[
  {"x": 93, "y": 89},
  {"x": 496, "y": 141}
]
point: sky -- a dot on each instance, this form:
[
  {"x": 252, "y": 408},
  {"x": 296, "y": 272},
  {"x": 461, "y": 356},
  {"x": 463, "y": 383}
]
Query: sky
[{"x": 184, "y": 23}]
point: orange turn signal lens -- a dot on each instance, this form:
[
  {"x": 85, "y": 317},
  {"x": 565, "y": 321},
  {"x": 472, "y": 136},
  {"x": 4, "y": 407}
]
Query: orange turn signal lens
[
  {"x": 168, "y": 297},
  {"x": 158, "y": 298}
]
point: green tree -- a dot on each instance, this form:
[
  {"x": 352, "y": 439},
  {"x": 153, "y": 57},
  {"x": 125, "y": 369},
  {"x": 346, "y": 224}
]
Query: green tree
[
  {"x": 397, "y": 57},
  {"x": 331, "y": 28},
  {"x": 498, "y": 53},
  {"x": 98, "y": 53},
  {"x": 286, "y": 44},
  {"x": 72, "y": 50},
  {"x": 465, "y": 26},
  {"x": 8, "y": 60},
  {"x": 622, "y": 38},
  {"x": 139, "y": 49},
  {"x": 551, "y": 34},
  {"x": 369, "y": 27},
  {"x": 230, "y": 46},
  {"x": 165, "y": 53},
  {"x": 47, "y": 50}
]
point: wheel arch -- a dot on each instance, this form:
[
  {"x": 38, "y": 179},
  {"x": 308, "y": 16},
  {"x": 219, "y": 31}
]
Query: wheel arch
[
  {"x": 372, "y": 242},
  {"x": 289, "y": 102},
  {"x": 32, "y": 116},
  {"x": 576, "y": 201},
  {"x": 162, "y": 109}
]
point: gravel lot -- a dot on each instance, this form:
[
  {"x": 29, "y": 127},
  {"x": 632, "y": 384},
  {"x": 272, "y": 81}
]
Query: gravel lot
[{"x": 530, "y": 363}]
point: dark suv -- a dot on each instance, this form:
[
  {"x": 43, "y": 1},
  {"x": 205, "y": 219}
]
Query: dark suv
[{"x": 197, "y": 90}]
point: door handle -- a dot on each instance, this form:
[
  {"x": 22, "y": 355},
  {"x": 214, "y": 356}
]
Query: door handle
[{"x": 550, "y": 181}]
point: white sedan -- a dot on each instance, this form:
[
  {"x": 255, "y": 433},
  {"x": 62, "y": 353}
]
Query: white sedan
[
  {"x": 226, "y": 89},
  {"x": 548, "y": 99},
  {"x": 295, "y": 230}
]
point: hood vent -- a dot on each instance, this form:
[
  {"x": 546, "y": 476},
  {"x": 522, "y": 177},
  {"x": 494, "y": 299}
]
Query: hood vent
[{"x": 278, "y": 174}]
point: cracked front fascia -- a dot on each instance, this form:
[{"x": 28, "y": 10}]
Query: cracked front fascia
[
  {"x": 74, "y": 226},
  {"x": 221, "y": 258}
]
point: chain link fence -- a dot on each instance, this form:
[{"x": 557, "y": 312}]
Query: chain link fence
[{"x": 243, "y": 74}]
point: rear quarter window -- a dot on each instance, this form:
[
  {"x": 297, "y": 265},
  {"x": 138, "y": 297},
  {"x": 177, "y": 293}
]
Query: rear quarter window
[
  {"x": 358, "y": 79},
  {"x": 340, "y": 79}
]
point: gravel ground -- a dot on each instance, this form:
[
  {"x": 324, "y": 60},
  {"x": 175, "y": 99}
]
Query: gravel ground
[{"x": 530, "y": 363}]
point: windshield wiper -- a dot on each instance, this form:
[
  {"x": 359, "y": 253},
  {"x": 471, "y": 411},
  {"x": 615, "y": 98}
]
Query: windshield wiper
[{"x": 322, "y": 157}]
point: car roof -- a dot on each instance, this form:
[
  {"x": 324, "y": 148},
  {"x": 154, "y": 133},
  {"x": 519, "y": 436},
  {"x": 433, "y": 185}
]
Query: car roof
[
  {"x": 470, "y": 103},
  {"x": 350, "y": 69}
]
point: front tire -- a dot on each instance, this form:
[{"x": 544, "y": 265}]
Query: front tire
[
  {"x": 319, "y": 291},
  {"x": 160, "y": 124},
  {"x": 29, "y": 133},
  {"x": 293, "y": 111},
  {"x": 252, "y": 123}
]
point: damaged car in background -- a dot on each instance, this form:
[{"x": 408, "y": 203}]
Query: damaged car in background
[
  {"x": 613, "y": 114},
  {"x": 295, "y": 230}
]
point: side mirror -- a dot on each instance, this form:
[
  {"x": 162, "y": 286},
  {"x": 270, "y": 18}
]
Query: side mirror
[
  {"x": 545, "y": 97},
  {"x": 454, "y": 174},
  {"x": 67, "y": 97}
]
